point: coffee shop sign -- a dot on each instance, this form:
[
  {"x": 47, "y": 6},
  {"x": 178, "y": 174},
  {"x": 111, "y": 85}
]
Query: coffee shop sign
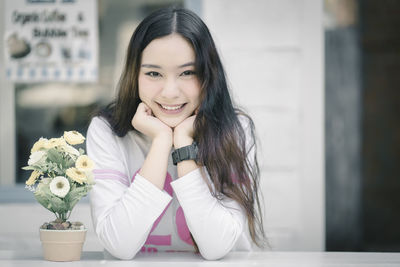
[
  {"x": 49, "y": 17},
  {"x": 51, "y": 40}
]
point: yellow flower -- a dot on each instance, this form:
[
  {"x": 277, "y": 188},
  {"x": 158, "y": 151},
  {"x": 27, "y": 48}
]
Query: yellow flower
[
  {"x": 76, "y": 175},
  {"x": 33, "y": 177},
  {"x": 74, "y": 137},
  {"x": 42, "y": 143},
  {"x": 84, "y": 163},
  {"x": 53, "y": 142}
]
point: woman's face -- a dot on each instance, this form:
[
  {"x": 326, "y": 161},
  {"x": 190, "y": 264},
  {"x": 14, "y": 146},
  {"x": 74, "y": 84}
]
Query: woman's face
[{"x": 168, "y": 83}]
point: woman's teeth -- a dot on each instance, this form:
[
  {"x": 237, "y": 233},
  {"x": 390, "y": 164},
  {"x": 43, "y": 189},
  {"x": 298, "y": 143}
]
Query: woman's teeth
[{"x": 171, "y": 107}]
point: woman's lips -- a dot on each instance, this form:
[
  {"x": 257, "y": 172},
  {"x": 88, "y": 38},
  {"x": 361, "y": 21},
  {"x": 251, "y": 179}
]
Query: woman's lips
[{"x": 171, "y": 109}]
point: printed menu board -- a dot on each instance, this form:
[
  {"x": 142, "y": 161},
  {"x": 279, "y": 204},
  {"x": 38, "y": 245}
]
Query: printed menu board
[{"x": 51, "y": 40}]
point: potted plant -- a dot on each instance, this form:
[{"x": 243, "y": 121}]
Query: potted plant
[{"x": 61, "y": 176}]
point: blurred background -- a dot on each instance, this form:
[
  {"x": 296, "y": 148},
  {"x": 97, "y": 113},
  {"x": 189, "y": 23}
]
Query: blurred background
[{"x": 318, "y": 77}]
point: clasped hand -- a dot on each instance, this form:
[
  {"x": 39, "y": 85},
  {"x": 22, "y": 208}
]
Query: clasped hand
[{"x": 145, "y": 122}]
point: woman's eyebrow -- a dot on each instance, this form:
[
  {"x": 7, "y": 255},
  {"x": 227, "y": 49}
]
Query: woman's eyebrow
[
  {"x": 159, "y": 67},
  {"x": 151, "y": 66},
  {"x": 186, "y": 65}
]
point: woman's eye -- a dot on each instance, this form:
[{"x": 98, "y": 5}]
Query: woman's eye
[
  {"x": 153, "y": 74},
  {"x": 188, "y": 72}
]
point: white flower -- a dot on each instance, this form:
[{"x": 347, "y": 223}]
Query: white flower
[
  {"x": 36, "y": 157},
  {"x": 30, "y": 188},
  {"x": 59, "y": 186},
  {"x": 71, "y": 150}
]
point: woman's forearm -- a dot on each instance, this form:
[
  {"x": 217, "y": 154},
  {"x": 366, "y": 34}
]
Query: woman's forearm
[
  {"x": 123, "y": 216},
  {"x": 155, "y": 165},
  {"x": 215, "y": 224}
]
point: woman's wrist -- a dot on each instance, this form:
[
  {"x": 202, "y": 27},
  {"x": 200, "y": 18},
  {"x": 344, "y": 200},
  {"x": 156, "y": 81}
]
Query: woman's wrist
[
  {"x": 181, "y": 141},
  {"x": 186, "y": 166},
  {"x": 157, "y": 156},
  {"x": 163, "y": 140}
]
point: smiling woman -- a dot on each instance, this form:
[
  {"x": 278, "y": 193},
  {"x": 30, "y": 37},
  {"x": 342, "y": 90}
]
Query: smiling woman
[
  {"x": 173, "y": 95},
  {"x": 169, "y": 85}
]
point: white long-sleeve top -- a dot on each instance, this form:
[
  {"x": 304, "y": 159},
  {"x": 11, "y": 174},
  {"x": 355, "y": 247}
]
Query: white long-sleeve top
[{"x": 130, "y": 214}]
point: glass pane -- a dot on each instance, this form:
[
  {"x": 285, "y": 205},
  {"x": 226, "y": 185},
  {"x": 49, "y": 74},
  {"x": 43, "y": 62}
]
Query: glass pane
[{"x": 49, "y": 109}]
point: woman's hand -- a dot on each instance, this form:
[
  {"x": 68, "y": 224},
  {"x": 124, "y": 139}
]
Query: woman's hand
[
  {"x": 183, "y": 132},
  {"x": 146, "y": 123},
  {"x": 154, "y": 167},
  {"x": 183, "y": 136}
]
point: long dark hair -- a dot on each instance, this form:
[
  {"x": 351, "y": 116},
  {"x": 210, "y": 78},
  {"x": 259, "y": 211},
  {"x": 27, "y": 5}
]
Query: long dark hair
[{"x": 226, "y": 149}]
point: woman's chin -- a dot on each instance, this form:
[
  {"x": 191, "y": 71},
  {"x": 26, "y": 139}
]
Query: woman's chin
[{"x": 172, "y": 122}]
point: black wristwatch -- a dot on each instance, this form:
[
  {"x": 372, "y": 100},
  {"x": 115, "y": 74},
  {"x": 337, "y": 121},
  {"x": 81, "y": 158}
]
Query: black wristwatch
[{"x": 185, "y": 153}]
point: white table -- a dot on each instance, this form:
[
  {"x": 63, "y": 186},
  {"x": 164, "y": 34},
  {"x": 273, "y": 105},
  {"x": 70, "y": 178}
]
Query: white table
[{"x": 181, "y": 259}]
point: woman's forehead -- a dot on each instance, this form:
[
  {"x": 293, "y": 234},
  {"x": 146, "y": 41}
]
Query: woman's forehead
[{"x": 169, "y": 51}]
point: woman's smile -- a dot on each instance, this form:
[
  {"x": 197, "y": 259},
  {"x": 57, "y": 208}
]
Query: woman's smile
[{"x": 171, "y": 109}]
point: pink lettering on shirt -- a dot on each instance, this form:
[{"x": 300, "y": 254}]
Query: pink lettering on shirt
[
  {"x": 160, "y": 240},
  {"x": 180, "y": 221},
  {"x": 183, "y": 229}
]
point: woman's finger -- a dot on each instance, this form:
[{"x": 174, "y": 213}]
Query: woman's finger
[
  {"x": 141, "y": 107},
  {"x": 146, "y": 109}
]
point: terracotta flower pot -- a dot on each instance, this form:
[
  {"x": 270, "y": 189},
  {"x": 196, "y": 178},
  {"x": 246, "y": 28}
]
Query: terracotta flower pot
[{"x": 62, "y": 245}]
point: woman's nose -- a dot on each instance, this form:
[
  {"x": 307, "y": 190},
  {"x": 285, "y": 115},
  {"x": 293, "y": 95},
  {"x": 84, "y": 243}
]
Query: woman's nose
[{"x": 170, "y": 89}]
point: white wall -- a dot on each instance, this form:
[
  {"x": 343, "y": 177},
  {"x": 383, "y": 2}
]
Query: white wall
[{"x": 273, "y": 54}]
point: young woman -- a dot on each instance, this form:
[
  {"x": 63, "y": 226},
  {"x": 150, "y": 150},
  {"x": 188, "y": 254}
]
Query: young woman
[{"x": 176, "y": 166}]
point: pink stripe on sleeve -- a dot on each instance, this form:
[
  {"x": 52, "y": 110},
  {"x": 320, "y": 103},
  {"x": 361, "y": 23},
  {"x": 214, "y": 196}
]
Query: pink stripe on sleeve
[
  {"x": 110, "y": 171},
  {"x": 106, "y": 174}
]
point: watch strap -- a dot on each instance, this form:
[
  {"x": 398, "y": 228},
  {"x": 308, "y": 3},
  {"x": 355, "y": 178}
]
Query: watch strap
[{"x": 185, "y": 153}]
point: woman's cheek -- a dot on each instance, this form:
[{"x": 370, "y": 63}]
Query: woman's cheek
[
  {"x": 192, "y": 88},
  {"x": 147, "y": 89}
]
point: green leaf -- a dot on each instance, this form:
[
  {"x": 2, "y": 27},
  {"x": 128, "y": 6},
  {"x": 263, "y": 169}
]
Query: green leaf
[
  {"x": 81, "y": 151},
  {"x": 52, "y": 167},
  {"x": 54, "y": 156},
  {"x": 69, "y": 162},
  {"x": 75, "y": 194},
  {"x": 29, "y": 168},
  {"x": 50, "y": 201},
  {"x": 58, "y": 205},
  {"x": 42, "y": 196}
]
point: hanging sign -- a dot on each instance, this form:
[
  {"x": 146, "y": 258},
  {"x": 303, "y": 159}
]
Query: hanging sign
[{"x": 51, "y": 40}]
